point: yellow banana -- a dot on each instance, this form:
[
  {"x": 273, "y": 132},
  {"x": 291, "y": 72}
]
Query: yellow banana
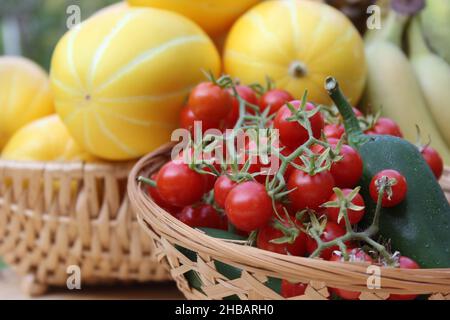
[
  {"x": 392, "y": 85},
  {"x": 436, "y": 26},
  {"x": 433, "y": 74}
]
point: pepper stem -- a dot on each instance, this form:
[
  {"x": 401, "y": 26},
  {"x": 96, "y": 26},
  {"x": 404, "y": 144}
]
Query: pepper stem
[{"x": 351, "y": 123}]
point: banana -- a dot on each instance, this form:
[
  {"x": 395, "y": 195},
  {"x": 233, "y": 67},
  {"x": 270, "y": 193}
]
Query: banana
[
  {"x": 392, "y": 85},
  {"x": 433, "y": 74},
  {"x": 436, "y": 26}
]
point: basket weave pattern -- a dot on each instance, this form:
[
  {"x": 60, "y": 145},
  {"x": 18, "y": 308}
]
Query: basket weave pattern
[
  {"x": 257, "y": 265},
  {"x": 54, "y": 215}
]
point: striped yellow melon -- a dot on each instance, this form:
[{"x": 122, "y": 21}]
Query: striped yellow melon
[
  {"x": 297, "y": 44},
  {"x": 120, "y": 79},
  {"x": 214, "y": 16},
  {"x": 24, "y": 95},
  {"x": 45, "y": 139}
]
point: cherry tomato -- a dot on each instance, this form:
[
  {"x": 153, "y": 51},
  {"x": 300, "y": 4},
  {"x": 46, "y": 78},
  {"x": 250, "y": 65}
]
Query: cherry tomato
[
  {"x": 353, "y": 215},
  {"x": 292, "y": 134},
  {"x": 318, "y": 149},
  {"x": 203, "y": 216},
  {"x": 274, "y": 99},
  {"x": 332, "y": 231},
  {"x": 357, "y": 112},
  {"x": 248, "y": 206},
  {"x": 245, "y": 93},
  {"x": 188, "y": 118},
  {"x": 355, "y": 255},
  {"x": 179, "y": 185},
  {"x": 405, "y": 263},
  {"x": 434, "y": 160},
  {"x": 289, "y": 289},
  {"x": 398, "y": 190},
  {"x": 286, "y": 152},
  {"x": 348, "y": 171},
  {"x": 386, "y": 126},
  {"x": 222, "y": 188},
  {"x": 335, "y": 131},
  {"x": 208, "y": 101},
  {"x": 154, "y": 193},
  {"x": 268, "y": 233},
  {"x": 258, "y": 164},
  {"x": 310, "y": 191}
]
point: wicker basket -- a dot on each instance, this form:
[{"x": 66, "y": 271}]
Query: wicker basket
[
  {"x": 172, "y": 238},
  {"x": 53, "y": 215}
]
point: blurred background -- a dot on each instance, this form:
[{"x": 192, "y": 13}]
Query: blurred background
[{"x": 33, "y": 27}]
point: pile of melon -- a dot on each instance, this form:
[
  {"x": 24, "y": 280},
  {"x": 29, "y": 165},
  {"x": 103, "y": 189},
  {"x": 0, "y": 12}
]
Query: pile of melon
[{"x": 119, "y": 79}]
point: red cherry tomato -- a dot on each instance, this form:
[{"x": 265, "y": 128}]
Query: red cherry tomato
[
  {"x": 286, "y": 152},
  {"x": 208, "y": 101},
  {"x": 203, "y": 216},
  {"x": 310, "y": 191},
  {"x": 258, "y": 163},
  {"x": 355, "y": 255},
  {"x": 210, "y": 181},
  {"x": 188, "y": 118},
  {"x": 154, "y": 194},
  {"x": 289, "y": 289},
  {"x": 434, "y": 160},
  {"x": 335, "y": 131},
  {"x": 274, "y": 99},
  {"x": 386, "y": 126},
  {"x": 357, "y": 112},
  {"x": 292, "y": 134},
  {"x": 348, "y": 171},
  {"x": 405, "y": 263},
  {"x": 179, "y": 185},
  {"x": 353, "y": 215},
  {"x": 318, "y": 149},
  {"x": 332, "y": 231},
  {"x": 248, "y": 206},
  {"x": 399, "y": 190},
  {"x": 245, "y": 93},
  {"x": 268, "y": 233},
  {"x": 222, "y": 188}
]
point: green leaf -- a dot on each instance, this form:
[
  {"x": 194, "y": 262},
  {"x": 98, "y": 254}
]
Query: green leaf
[
  {"x": 353, "y": 194},
  {"x": 331, "y": 204}
]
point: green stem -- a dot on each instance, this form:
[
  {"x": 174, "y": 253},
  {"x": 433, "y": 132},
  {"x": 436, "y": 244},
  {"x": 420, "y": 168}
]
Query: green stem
[
  {"x": 416, "y": 41},
  {"x": 351, "y": 123},
  {"x": 373, "y": 229},
  {"x": 150, "y": 182}
]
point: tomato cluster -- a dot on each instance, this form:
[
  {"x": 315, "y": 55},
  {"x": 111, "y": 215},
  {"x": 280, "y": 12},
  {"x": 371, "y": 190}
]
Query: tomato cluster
[{"x": 299, "y": 207}]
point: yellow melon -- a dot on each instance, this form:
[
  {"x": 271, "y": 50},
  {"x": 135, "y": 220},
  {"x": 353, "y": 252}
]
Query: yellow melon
[
  {"x": 120, "y": 79},
  {"x": 297, "y": 44},
  {"x": 45, "y": 139},
  {"x": 214, "y": 16},
  {"x": 24, "y": 95}
]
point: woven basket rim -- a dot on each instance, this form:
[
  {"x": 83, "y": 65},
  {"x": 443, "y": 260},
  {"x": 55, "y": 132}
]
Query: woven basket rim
[
  {"x": 350, "y": 276},
  {"x": 30, "y": 164}
]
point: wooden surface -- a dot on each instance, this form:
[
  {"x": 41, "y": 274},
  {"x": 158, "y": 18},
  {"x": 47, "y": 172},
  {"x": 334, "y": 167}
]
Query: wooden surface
[{"x": 10, "y": 290}]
